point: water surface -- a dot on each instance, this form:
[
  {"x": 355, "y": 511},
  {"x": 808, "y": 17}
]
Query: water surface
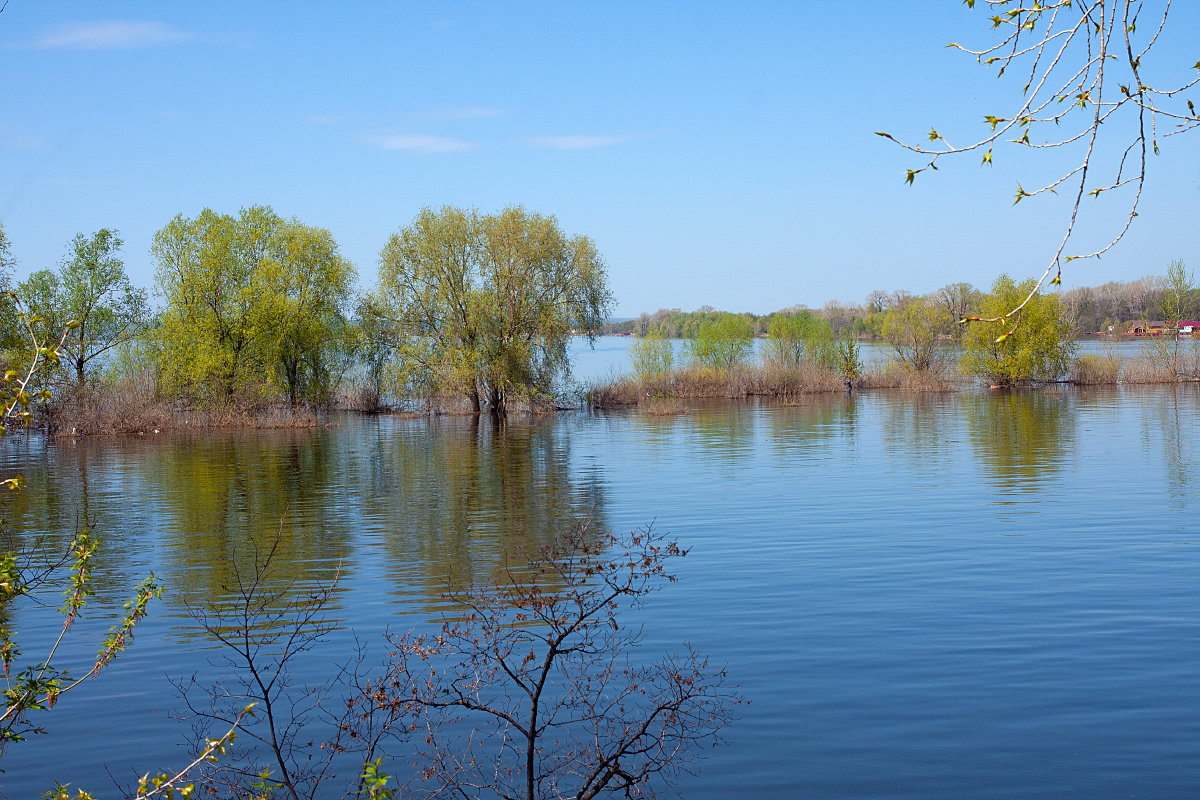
[{"x": 974, "y": 594}]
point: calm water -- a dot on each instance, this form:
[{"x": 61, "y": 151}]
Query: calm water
[{"x": 970, "y": 595}]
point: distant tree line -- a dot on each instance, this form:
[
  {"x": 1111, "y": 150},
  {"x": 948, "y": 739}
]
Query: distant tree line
[
  {"x": 1087, "y": 309},
  {"x": 929, "y": 332}
]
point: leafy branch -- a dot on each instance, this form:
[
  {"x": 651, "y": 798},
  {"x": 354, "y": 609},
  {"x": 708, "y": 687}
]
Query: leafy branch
[{"x": 1084, "y": 66}]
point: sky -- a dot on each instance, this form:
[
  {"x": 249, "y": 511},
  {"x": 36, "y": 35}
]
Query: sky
[{"x": 718, "y": 154}]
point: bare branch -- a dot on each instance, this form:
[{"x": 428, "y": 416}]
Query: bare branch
[{"x": 535, "y": 692}]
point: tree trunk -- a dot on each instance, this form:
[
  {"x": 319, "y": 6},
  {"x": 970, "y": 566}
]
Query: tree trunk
[{"x": 496, "y": 401}]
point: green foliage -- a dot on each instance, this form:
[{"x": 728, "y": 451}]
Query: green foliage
[
  {"x": 483, "y": 305},
  {"x": 7, "y": 262},
  {"x": 724, "y": 343},
  {"x": 652, "y": 355},
  {"x": 794, "y": 338},
  {"x": 91, "y": 290},
  {"x": 849, "y": 359},
  {"x": 255, "y": 306},
  {"x": 1032, "y": 345},
  {"x": 373, "y": 354},
  {"x": 375, "y": 781},
  {"x": 914, "y": 328},
  {"x": 1178, "y": 298}
]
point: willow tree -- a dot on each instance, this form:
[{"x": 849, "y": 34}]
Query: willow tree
[
  {"x": 915, "y": 328},
  {"x": 1039, "y": 347},
  {"x": 1094, "y": 99},
  {"x": 724, "y": 343},
  {"x": 482, "y": 306},
  {"x": 254, "y": 305}
]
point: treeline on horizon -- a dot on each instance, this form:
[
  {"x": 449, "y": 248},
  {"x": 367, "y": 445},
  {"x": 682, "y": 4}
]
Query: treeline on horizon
[{"x": 1085, "y": 309}]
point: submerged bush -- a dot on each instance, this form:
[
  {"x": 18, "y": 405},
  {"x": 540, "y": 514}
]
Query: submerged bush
[
  {"x": 651, "y": 355},
  {"x": 1032, "y": 345},
  {"x": 724, "y": 343}
]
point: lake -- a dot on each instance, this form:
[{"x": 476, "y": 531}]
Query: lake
[{"x": 975, "y": 594}]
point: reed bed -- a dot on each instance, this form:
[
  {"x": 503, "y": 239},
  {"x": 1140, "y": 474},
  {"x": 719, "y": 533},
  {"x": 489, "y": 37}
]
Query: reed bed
[
  {"x": 127, "y": 407},
  {"x": 772, "y": 381},
  {"x": 134, "y": 407},
  {"x": 1095, "y": 370}
]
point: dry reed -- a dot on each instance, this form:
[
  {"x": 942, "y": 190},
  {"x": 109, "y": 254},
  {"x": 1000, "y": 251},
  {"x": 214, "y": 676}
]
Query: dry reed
[
  {"x": 1095, "y": 370},
  {"x": 781, "y": 383},
  {"x": 898, "y": 376},
  {"x": 128, "y": 407}
]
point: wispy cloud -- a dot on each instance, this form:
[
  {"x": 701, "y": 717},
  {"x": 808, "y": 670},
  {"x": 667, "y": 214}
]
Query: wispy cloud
[
  {"x": 422, "y": 144},
  {"x": 113, "y": 34},
  {"x": 581, "y": 142}
]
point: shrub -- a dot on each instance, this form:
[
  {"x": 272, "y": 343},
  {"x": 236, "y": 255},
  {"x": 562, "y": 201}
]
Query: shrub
[
  {"x": 652, "y": 355},
  {"x": 724, "y": 343}
]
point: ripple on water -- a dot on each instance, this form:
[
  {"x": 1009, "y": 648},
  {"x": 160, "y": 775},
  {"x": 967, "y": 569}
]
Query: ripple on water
[{"x": 977, "y": 594}]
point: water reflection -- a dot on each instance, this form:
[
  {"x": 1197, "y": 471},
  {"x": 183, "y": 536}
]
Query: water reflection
[
  {"x": 67, "y": 489},
  {"x": 448, "y": 502},
  {"x": 1020, "y": 440},
  {"x": 917, "y": 427},
  {"x": 861, "y": 539},
  {"x": 723, "y": 428},
  {"x": 221, "y": 499},
  {"x": 460, "y": 501},
  {"x": 1167, "y": 430},
  {"x": 805, "y": 429}
]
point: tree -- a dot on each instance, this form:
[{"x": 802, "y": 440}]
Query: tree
[
  {"x": 914, "y": 329},
  {"x": 312, "y": 332},
  {"x": 1178, "y": 300},
  {"x": 1036, "y": 348},
  {"x": 1086, "y": 68},
  {"x": 959, "y": 300},
  {"x": 254, "y": 302},
  {"x": 531, "y": 691},
  {"x": 652, "y": 355},
  {"x": 92, "y": 289},
  {"x": 372, "y": 354},
  {"x": 481, "y": 306},
  {"x": 725, "y": 342},
  {"x": 840, "y": 318},
  {"x": 794, "y": 338},
  {"x": 1175, "y": 303}
]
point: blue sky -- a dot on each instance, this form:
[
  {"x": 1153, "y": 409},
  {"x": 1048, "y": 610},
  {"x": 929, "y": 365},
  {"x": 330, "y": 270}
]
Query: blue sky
[{"x": 718, "y": 153}]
